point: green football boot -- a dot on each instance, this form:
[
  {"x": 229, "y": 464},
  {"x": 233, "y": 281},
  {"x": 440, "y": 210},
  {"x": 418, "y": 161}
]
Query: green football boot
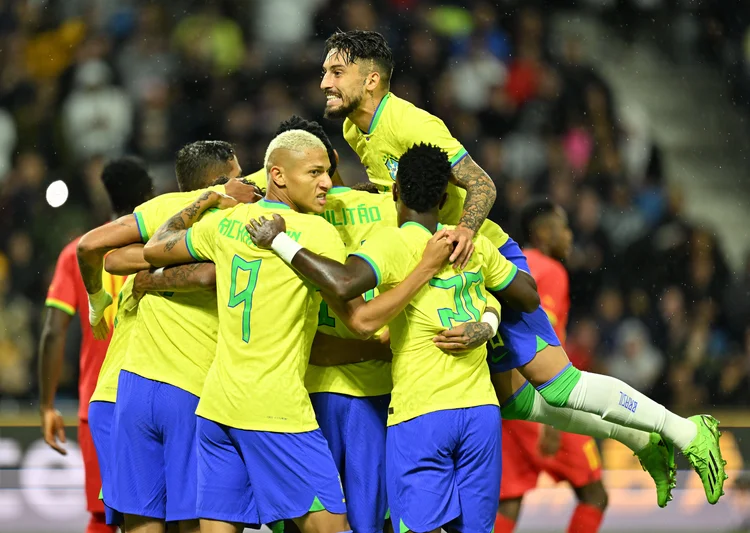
[
  {"x": 657, "y": 458},
  {"x": 704, "y": 455}
]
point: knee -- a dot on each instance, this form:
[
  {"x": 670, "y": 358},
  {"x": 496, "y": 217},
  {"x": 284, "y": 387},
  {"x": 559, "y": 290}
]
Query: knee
[{"x": 594, "y": 494}]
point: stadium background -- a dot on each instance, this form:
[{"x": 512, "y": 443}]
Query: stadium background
[{"x": 632, "y": 114}]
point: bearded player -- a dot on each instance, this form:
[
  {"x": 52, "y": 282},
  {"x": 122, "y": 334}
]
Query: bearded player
[{"x": 380, "y": 127}]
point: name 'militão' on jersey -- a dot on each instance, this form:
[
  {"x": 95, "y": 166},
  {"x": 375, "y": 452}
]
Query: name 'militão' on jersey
[
  {"x": 354, "y": 215},
  {"x": 426, "y": 379},
  {"x": 268, "y": 316},
  {"x": 174, "y": 337},
  {"x": 396, "y": 126}
]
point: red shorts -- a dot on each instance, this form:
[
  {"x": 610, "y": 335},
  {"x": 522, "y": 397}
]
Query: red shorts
[
  {"x": 93, "y": 484},
  {"x": 577, "y": 461}
]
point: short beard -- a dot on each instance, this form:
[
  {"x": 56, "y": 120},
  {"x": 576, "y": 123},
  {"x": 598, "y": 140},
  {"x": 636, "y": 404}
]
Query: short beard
[{"x": 343, "y": 111}]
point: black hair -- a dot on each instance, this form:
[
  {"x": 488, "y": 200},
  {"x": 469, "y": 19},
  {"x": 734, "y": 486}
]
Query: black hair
[
  {"x": 128, "y": 184},
  {"x": 534, "y": 209},
  {"x": 198, "y": 163},
  {"x": 422, "y": 177},
  {"x": 356, "y": 45},
  {"x": 366, "y": 186},
  {"x": 298, "y": 123}
]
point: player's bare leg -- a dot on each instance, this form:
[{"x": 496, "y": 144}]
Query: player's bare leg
[
  {"x": 143, "y": 524},
  {"x": 592, "y": 502},
  {"x": 322, "y": 522},
  {"x": 561, "y": 385},
  {"x": 656, "y": 456},
  {"x": 217, "y": 526},
  {"x": 189, "y": 526}
]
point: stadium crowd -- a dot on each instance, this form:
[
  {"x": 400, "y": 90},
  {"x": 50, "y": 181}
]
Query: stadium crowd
[{"x": 650, "y": 289}]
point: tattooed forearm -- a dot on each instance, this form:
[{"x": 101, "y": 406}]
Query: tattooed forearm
[
  {"x": 480, "y": 192},
  {"x": 477, "y": 333},
  {"x": 174, "y": 229},
  {"x": 180, "y": 278}
]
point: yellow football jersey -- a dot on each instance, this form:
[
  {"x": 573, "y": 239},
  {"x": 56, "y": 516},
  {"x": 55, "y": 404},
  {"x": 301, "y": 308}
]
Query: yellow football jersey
[
  {"x": 426, "y": 379},
  {"x": 174, "y": 339},
  {"x": 396, "y": 126},
  {"x": 267, "y": 319},
  {"x": 355, "y": 215},
  {"x": 127, "y": 311},
  {"x": 259, "y": 177}
]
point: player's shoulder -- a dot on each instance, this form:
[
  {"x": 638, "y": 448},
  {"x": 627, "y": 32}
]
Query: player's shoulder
[
  {"x": 171, "y": 199},
  {"x": 348, "y": 197},
  {"x": 309, "y": 226},
  {"x": 407, "y": 112}
]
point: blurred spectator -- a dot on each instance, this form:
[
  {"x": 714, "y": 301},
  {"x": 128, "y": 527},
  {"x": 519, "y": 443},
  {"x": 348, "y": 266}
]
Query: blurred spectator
[
  {"x": 636, "y": 361},
  {"x": 97, "y": 116},
  {"x": 207, "y": 37},
  {"x": 7, "y": 142}
]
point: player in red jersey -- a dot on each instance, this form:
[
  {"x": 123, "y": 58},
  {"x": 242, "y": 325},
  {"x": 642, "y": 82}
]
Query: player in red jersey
[
  {"x": 128, "y": 185},
  {"x": 530, "y": 448}
]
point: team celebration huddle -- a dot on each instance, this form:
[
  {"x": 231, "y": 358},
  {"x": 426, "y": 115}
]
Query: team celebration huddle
[{"x": 290, "y": 352}]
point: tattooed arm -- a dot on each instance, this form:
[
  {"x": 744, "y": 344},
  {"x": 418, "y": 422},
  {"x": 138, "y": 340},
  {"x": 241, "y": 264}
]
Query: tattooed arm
[
  {"x": 467, "y": 336},
  {"x": 168, "y": 246},
  {"x": 96, "y": 243},
  {"x": 180, "y": 278},
  {"x": 480, "y": 196}
]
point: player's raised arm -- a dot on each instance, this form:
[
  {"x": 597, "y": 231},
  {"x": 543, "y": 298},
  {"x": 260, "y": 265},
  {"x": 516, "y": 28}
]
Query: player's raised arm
[
  {"x": 480, "y": 196},
  {"x": 169, "y": 246},
  {"x": 90, "y": 252},
  {"x": 95, "y": 244}
]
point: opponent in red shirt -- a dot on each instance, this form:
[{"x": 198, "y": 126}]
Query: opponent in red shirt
[
  {"x": 128, "y": 185},
  {"x": 530, "y": 448}
]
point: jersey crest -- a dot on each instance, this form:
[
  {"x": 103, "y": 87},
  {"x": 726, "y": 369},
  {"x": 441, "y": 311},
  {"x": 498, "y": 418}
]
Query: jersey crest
[{"x": 391, "y": 163}]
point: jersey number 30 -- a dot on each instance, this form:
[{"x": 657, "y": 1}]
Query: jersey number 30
[
  {"x": 465, "y": 310},
  {"x": 245, "y": 296}
]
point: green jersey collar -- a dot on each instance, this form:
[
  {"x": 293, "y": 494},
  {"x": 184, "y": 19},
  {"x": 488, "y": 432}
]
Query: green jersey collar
[
  {"x": 377, "y": 115},
  {"x": 272, "y": 204}
]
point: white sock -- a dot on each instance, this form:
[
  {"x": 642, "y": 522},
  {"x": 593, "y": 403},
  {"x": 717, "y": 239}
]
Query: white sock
[
  {"x": 620, "y": 403},
  {"x": 582, "y": 423}
]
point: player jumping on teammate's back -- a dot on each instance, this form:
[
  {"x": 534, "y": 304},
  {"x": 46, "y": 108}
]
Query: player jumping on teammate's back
[{"x": 380, "y": 127}]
